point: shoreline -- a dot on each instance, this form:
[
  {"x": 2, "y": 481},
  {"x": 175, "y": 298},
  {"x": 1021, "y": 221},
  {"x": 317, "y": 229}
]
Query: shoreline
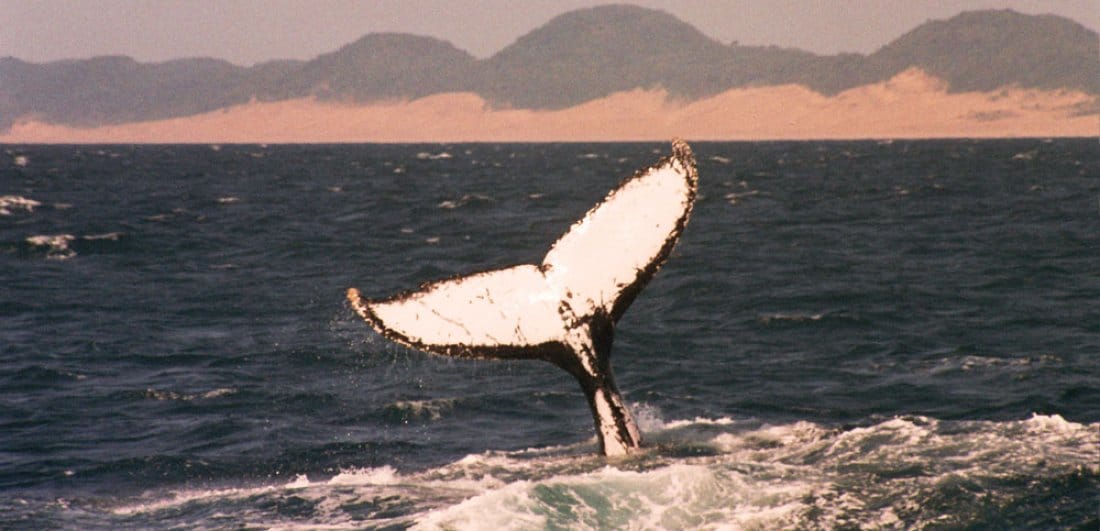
[
  {"x": 16, "y": 144},
  {"x": 910, "y": 106}
]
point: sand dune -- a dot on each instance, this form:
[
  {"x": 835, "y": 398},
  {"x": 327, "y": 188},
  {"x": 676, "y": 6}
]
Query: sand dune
[{"x": 911, "y": 105}]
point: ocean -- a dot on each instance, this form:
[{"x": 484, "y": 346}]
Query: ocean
[{"x": 871, "y": 335}]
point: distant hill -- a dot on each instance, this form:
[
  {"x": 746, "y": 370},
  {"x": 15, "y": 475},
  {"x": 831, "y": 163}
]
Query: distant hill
[
  {"x": 117, "y": 89},
  {"x": 986, "y": 50},
  {"x": 590, "y": 53},
  {"x": 575, "y": 57},
  {"x": 378, "y": 67}
]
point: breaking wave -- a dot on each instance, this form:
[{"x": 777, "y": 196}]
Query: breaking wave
[{"x": 905, "y": 472}]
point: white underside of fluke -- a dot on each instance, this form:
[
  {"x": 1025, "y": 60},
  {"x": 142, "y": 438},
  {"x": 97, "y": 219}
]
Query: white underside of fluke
[{"x": 593, "y": 271}]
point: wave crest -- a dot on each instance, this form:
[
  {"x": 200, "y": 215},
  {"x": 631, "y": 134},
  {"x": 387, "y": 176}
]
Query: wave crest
[
  {"x": 11, "y": 203},
  {"x": 899, "y": 473}
]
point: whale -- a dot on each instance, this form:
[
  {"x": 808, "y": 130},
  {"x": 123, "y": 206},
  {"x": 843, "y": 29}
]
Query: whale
[{"x": 563, "y": 310}]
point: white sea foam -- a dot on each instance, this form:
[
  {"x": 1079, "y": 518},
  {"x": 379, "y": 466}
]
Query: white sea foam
[
  {"x": 677, "y": 496},
  {"x": 735, "y": 197},
  {"x": 975, "y": 363},
  {"x": 110, "y": 236},
  {"x": 384, "y": 475},
  {"x": 424, "y": 409},
  {"x": 799, "y": 475},
  {"x": 424, "y": 155},
  {"x": 698, "y": 421},
  {"x": 57, "y": 245},
  {"x": 179, "y": 498},
  {"x": 802, "y": 475},
  {"x": 463, "y": 201},
  {"x": 648, "y": 417},
  {"x": 187, "y": 397},
  {"x": 794, "y": 317},
  {"x": 11, "y": 203}
]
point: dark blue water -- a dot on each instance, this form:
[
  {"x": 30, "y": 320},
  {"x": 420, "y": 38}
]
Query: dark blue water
[{"x": 849, "y": 334}]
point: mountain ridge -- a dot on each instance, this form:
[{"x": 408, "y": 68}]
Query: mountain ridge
[{"x": 578, "y": 56}]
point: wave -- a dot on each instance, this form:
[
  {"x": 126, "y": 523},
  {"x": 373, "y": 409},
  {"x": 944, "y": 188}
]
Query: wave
[
  {"x": 793, "y": 317},
  {"x": 56, "y": 245},
  {"x": 11, "y": 203},
  {"x": 155, "y": 394},
  {"x": 735, "y": 197},
  {"x": 404, "y": 411},
  {"x": 975, "y": 363},
  {"x": 464, "y": 200},
  {"x": 424, "y": 155},
  {"x": 64, "y": 246},
  {"x": 701, "y": 474},
  {"x": 109, "y": 236}
]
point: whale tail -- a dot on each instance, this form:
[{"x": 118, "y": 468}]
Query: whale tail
[{"x": 564, "y": 309}]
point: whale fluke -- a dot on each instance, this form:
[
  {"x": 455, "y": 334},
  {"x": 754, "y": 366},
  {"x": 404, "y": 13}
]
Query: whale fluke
[{"x": 563, "y": 310}]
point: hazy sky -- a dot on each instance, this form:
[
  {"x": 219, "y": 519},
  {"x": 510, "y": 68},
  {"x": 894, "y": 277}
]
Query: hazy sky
[{"x": 250, "y": 31}]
